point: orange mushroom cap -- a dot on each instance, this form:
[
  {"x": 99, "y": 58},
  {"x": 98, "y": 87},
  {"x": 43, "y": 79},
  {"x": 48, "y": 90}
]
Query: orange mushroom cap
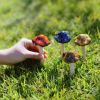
[{"x": 41, "y": 40}]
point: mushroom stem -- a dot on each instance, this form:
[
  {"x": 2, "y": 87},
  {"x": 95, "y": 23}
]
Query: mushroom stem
[
  {"x": 41, "y": 52},
  {"x": 72, "y": 68},
  {"x": 84, "y": 52},
  {"x": 62, "y": 49}
]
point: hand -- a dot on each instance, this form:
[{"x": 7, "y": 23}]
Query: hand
[
  {"x": 19, "y": 53},
  {"x": 36, "y": 49}
]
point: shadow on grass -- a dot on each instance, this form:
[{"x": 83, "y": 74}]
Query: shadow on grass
[
  {"x": 27, "y": 66},
  {"x": 60, "y": 76},
  {"x": 61, "y": 82}
]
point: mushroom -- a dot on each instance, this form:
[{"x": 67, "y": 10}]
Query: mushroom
[
  {"x": 83, "y": 40},
  {"x": 41, "y": 41},
  {"x": 62, "y": 37},
  {"x": 71, "y": 57}
]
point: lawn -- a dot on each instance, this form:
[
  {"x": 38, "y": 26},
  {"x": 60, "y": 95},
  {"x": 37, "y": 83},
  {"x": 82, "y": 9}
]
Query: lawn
[{"x": 51, "y": 81}]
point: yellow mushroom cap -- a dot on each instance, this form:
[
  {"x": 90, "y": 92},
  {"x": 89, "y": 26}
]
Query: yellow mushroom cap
[{"x": 82, "y": 39}]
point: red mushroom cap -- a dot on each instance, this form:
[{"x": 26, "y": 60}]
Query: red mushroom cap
[{"x": 41, "y": 40}]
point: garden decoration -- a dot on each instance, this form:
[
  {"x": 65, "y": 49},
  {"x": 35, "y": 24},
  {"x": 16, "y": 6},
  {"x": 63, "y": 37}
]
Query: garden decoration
[
  {"x": 41, "y": 41},
  {"x": 62, "y": 37},
  {"x": 71, "y": 57},
  {"x": 83, "y": 40}
]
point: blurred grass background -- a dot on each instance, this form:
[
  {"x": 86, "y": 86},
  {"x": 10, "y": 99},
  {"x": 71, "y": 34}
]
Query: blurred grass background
[{"x": 27, "y": 18}]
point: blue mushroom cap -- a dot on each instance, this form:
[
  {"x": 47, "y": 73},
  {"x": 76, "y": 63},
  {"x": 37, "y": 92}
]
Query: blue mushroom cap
[{"x": 62, "y": 37}]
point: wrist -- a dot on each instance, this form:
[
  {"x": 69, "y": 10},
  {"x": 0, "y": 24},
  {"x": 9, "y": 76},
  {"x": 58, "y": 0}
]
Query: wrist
[{"x": 5, "y": 56}]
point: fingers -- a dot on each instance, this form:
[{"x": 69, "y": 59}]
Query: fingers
[
  {"x": 36, "y": 49},
  {"x": 30, "y": 54},
  {"x": 33, "y": 48},
  {"x": 26, "y": 42},
  {"x": 45, "y": 54},
  {"x": 32, "y": 51}
]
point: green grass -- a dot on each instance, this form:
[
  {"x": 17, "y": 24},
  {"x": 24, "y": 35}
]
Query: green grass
[{"x": 51, "y": 81}]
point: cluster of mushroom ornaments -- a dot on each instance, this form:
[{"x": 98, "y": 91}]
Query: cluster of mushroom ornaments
[{"x": 62, "y": 37}]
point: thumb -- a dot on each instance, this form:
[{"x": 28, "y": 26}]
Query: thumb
[{"x": 30, "y": 54}]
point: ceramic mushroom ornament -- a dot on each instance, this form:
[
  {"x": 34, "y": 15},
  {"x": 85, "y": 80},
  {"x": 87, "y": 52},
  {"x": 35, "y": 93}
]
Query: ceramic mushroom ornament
[
  {"x": 62, "y": 37},
  {"x": 83, "y": 40},
  {"x": 71, "y": 57},
  {"x": 41, "y": 41}
]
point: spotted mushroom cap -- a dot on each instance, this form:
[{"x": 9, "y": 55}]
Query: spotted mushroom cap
[
  {"x": 82, "y": 39},
  {"x": 62, "y": 37},
  {"x": 71, "y": 57},
  {"x": 41, "y": 40}
]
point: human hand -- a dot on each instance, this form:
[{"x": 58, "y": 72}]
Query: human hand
[
  {"x": 19, "y": 52},
  {"x": 36, "y": 49}
]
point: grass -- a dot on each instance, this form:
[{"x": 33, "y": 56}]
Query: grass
[{"x": 51, "y": 81}]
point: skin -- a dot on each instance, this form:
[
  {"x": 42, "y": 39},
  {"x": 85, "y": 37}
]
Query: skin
[{"x": 20, "y": 52}]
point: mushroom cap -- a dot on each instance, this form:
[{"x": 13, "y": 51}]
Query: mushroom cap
[
  {"x": 82, "y": 39},
  {"x": 41, "y": 40},
  {"x": 71, "y": 57},
  {"x": 62, "y": 37}
]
